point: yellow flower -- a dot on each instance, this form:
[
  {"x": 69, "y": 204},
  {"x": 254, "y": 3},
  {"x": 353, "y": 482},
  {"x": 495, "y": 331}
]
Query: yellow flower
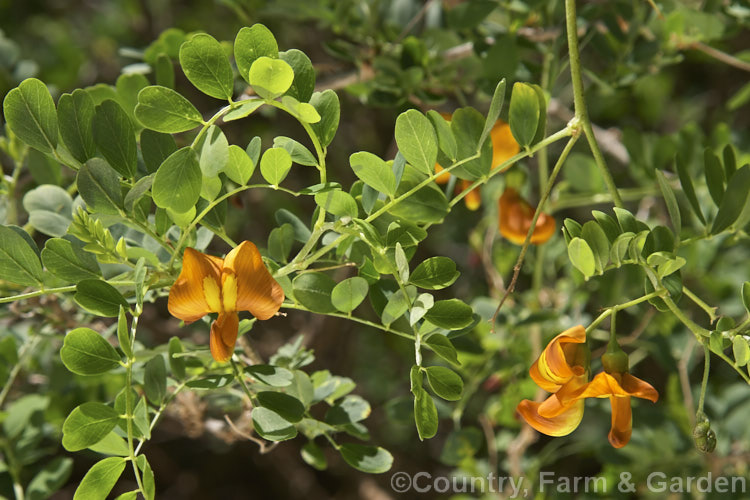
[
  {"x": 619, "y": 388},
  {"x": 208, "y": 284},
  {"x": 562, "y": 369},
  {"x": 516, "y": 216},
  {"x": 504, "y": 147}
]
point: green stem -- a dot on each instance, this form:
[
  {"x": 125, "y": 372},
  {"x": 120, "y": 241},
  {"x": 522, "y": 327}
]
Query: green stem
[
  {"x": 129, "y": 404},
  {"x": 289, "y": 305},
  {"x": 704, "y": 382},
  {"x": 619, "y": 307},
  {"x": 579, "y": 101},
  {"x": 26, "y": 350},
  {"x": 532, "y": 227},
  {"x": 711, "y": 311},
  {"x": 49, "y": 291},
  {"x": 631, "y": 194},
  {"x": 238, "y": 376}
]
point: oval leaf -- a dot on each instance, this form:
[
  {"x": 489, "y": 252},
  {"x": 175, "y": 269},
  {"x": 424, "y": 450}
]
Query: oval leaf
[{"x": 85, "y": 352}]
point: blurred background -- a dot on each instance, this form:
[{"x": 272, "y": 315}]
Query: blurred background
[{"x": 656, "y": 88}]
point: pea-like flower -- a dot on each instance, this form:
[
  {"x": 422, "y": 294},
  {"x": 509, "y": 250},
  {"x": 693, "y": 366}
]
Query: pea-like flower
[
  {"x": 516, "y": 216},
  {"x": 239, "y": 282},
  {"x": 504, "y": 147},
  {"x": 561, "y": 369}
]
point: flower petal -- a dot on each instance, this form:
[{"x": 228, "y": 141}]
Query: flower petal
[
  {"x": 257, "y": 291},
  {"x": 562, "y": 424},
  {"x": 442, "y": 178},
  {"x": 560, "y": 401},
  {"x": 473, "y": 198},
  {"x": 504, "y": 145},
  {"x": 187, "y": 300},
  {"x": 553, "y": 368},
  {"x": 639, "y": 388},
  {"x": 224, "y": 336},
  {"x": 516, "y": 216},
  {"x": 622, "y": 421}
]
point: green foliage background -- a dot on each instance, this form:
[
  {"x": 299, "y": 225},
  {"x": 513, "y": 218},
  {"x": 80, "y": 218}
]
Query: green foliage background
[{"x": 655, "y": 90}]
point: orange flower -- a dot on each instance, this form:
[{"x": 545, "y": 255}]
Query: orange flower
[
  {"x": 619, "y": 388},
  {"x": 562, "y": 369},
  {"x": 516, "y": 216},
  {"x": 504, "y": 147},
  {"x": 208, "y": 284}
]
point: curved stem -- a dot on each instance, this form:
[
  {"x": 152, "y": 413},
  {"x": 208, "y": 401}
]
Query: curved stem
[
  {"x": 532, "y": 227},
  {"x": 353, "y": 318},
  {"x": 579, "y": 101},
  {"x": 704, "y": 382}
]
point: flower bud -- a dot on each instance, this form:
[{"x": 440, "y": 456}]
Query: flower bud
[
  {"x": 615, "y": 360},
  {"x": 703, "y": 436}
]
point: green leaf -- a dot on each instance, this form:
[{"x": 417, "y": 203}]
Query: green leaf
[
  {"x": 43, "y": 168},
  {"x": 244, "y": 109},
  {"x": 301, "y": 231},
  {"x": 402, "y": 263},
  {"x": 524, "y": 114},
  {"x": 99, "y": 186},
  {"x": 19, "y": 262},
  {"x": 50, "y": 478},
  {"x": 177, "y": 184},
  {"x": 240, "y": 167},
  {"x": 350, "y": 410},
  {"x": 214, "y": 152},
  {"x": 75, "y": 113},
  {"x": 451, "y": 314},
  {"x": 425, "y": 414},
  {"x": 176, "y": 363},
  {"x": 582, "y": 257},
  {"x": 270, "y": 78},
  {"x": 443, "y": 347},
  {"x": 299, "y": 153},
  {"x": 271, "y": 375},
  {"x": 272, "y": 426},
  {"x": 714, "y": 175},
  {"x": 274, "y": 165},
  {"x": 314, "y": 456},
  {"x": 348, "y": 294},
  {"x": 467, "y": 125},
  {"x": 313, "y": 290},
  {"x": 396, "y": 306},
  {"x": 669, "y": 198},
  {"x": 427, "y": 205},
  {"x": 69, "y": 262},
  {"x": 19, "y": 413},
  {"x": 446, "y": 141},
  {"x": 99, "y": 297},
  {"x": 303, "y": 111},
  {"x": 280, "y": 242},
  {"x": 137, "y": 192},
  {"x": 111, "y": 444},
  {"x": 155, "y": 148},
  {"x": 746, "y": 295},
  {"x": 328, "y": 107},
  {"x": 50, "y": 209},
  {"x": 687, "y": 187},
  {"x": 128, "y": 85},
  {"x": 597, "y": 240},
  {"x": 626, "y": 220},
  {"x": 123, "y": 333},
  {"x": 88, "y": 424},
  {"x": 374, "y": 172},
  {"x": 304, "y": 75},
  {"x": 338, "y": 203},
  {"x": 100, "y": 479},
  {"x": 251, "y": 44},
  {"x": 30, "y": 113},
  {"x": 287, "y": 407},
  {"x": 741, "y": 350},
  {"x": 435, "y": 273},
  {"x": 155, "y": 380},
  {"x": 445, "y": 382},
  {"x": 496, "y": 105},
  {"x": 416, "y": 140},
  {"x": 85, "y": 352},
  {"x": 735, "y": 205},
  {"x": 164, "y": 71},
  {"x": 369, "y": 459},
  {"x": 164, "y": 110},
  {"x": 149, "y": 487},
  {"x": 206, "y": 66},
  {"x": 114, "y": 135}
]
